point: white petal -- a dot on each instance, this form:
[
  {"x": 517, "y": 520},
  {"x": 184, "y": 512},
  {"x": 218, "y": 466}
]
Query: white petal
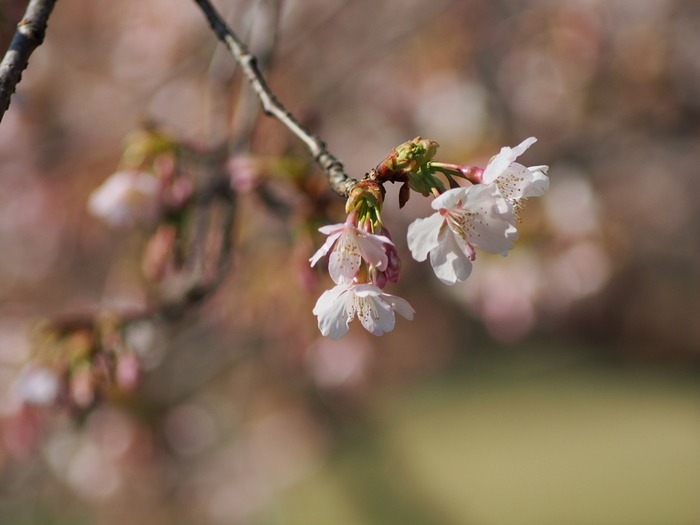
[
  {"x": 330, "y": 229},
  {"x": 323, "y": 250},
  {"x": 505, "y": 158},
  {"x": 118, "y": 199},
  {"x": 449, "y": 262},
  {"x": 37, "y": 386},
  {"x": 449, "y": 199},
  {"x": 423, "y": 235},
  {"x": 400, "y": 306},
  {"x": 376, "y": 316},
  {"x": 523, "y": 146},
  {"x": 515, "y": 182},
  {"x": 372, "y": 249},
  {"x": 497, "y": 165},
  {"x": 333, "y": 313},
  {"x": 344, "y": 264},
  {"x": 518, "y": 182},
  {"x": 485, "y": 199},
  {"x": 494, "y": 231},
  {"x": 540, "y": 181}
]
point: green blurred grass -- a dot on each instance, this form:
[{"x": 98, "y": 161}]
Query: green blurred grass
[{"x": 537, "y": 440}]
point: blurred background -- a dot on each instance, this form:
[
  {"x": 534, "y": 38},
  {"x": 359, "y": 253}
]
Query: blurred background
[{"x": 556, "y": 385}]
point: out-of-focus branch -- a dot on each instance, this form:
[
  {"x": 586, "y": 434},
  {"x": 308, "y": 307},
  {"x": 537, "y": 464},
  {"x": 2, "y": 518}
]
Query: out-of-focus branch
[
  {"x": 202, "y": 285},
  {"x": 339, "y": 180},
  {"x": 29, "y": 35}
]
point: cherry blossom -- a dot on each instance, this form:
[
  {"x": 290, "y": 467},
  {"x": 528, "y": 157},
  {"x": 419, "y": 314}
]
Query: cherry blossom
[
  {"x": 466, "y": 218},
  {"x": 351, "y": 245},
  {"x": 515, "y": 181},
  {"x": 126, "y": 198},
  {"x": 337, "y": 307},
  {"x": 37, "y": 385}
]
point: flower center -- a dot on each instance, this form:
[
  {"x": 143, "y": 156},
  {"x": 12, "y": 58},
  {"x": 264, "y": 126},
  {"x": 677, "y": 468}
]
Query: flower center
[
  {"x": 461, "y": 222},
  {"x": 366, "y": 309}
]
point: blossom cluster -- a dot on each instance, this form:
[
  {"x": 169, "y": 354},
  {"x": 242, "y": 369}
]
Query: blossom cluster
[
  {"x": 362, "y": 260},
  {"x": 482, "y": 214}
]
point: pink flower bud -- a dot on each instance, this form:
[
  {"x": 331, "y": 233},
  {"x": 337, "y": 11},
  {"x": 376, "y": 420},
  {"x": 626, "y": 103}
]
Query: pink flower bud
[
  {"x": 128, "y": 371},
  {"x": 245, "y": 173},
  {"x": 392, "y": 271},
  {"x": 82, "y": 387}
]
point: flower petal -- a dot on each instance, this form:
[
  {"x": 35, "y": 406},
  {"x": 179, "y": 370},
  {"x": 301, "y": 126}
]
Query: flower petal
[
  {"x": 498, "y": 164},
  {"x": 126, "y": 198},
  {"x": 523, "y": 146},
  {"x": 375, "y": 315},
  {"x": 343, "y": 264},
  {"x": 399, "y": 305},
  {"x": 540, "y": 181},
  {"x": 494, "y": 231},
  {"x": 518, "y": 182},
  {"x": 423, "y": 235},
  {"x": 449, "y": 262},
  {"x": 333, "y": 313},
  {"x": 449, "y": 199},
  {"x": 372, "y": 249},
  {"x": 323, "y": 250},
  {"x": 329, "y": 229}
]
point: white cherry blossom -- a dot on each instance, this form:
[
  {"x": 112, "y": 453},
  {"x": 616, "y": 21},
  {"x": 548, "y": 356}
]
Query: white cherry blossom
[
  {"x": 514, "y": 180},
  {"x": 337, "y": 307},
  {"x": 350, "y": 246},
  {"x": 37, "y": 385},
  {"x": 126, "y": 198},
  {"x": 466, "y": 218}
]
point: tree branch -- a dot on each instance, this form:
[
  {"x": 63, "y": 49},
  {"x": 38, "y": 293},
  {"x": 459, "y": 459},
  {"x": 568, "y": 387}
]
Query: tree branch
[
  {"x": 339, "y": 180},
  {"x": 29, "y": 35}
]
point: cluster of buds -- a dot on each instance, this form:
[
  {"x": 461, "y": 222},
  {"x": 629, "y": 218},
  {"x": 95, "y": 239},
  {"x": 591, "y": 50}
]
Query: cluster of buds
[
  {"x": 482, "y": 213},
  {"x": 78, "y": 364}
]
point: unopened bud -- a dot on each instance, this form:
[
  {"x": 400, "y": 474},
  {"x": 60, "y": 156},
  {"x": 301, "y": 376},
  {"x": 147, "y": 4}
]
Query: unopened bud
[
  {"x": 366, "y": 194},
  {"x": 82, "y": 386},
  {"x": 128, "y": 371},
  {"x": 406, "y": 158},
  {"x": 414, "y": 153}
]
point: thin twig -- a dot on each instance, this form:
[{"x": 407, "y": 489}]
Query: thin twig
[
  {"x": 339, "y": 180},
  {"x": 29, "y": 35}
]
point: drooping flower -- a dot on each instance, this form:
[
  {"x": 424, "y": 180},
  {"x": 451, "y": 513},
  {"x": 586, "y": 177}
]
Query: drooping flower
[
  {"x": 515, "y": 181},
  {"x": 126, "y": 198},
  {"x": 337, "y": 307},
  {"x": 466, "y": 218},
  {"x": 351, "y": 245}
]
